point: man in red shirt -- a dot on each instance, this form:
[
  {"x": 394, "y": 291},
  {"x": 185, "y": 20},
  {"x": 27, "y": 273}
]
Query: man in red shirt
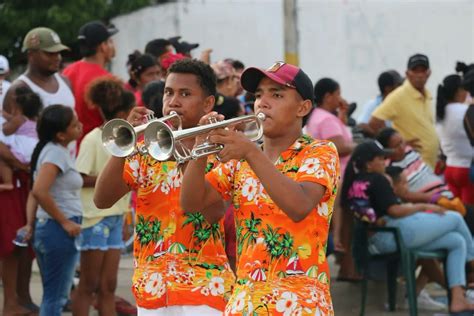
[{"x": 97, "y": 48}]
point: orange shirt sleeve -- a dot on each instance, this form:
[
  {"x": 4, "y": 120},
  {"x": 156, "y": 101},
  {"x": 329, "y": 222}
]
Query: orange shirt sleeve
[
  {"x": 320, "y": 164},
  {"x": 221, "y": 178},
  {"x": 132, "y": 170}
]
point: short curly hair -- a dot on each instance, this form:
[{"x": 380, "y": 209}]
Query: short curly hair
[
  {"x": 109, "y": 95},
  {"x": 206, "y": 76}
]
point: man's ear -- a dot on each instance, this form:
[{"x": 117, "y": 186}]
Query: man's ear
[
  {"x": 209, "y": 103},
  {"x": 304, "y": 108},
  {"x": 102, "y": 47}
]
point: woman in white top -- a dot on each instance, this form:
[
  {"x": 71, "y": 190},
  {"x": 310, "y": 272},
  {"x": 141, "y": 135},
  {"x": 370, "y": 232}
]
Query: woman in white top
[{"x": 450, "y": 111}]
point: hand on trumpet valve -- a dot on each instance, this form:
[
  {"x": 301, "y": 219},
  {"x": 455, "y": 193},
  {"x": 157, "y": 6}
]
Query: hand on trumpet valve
[
  {"x": 235, "y": 144},
  {"x": 139, "y": 115},
  {"x": 209, "y": 118}
]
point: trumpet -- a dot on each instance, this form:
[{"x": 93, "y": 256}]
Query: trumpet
[
  {"x": 119, "y": 137},
  {"x": 163, "y": 143}
]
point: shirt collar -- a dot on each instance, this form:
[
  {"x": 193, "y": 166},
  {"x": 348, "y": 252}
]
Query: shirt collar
[
  {"x": 415, "y": 93},
  {"x": 295, "y": 148}
]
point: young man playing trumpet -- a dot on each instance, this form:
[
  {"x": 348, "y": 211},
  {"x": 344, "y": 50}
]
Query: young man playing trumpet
[
  {"x": 180, "y": 263},
  {"x": 283, "y": 194}
]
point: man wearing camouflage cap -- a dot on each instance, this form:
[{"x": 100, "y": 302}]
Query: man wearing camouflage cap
[{"x": 43, "y": 48}]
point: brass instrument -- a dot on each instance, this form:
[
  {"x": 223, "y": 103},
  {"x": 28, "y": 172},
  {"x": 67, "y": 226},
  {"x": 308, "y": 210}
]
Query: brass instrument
[
  {"x": 162, "y": 142},
  {"x": 119, "y": 137}
]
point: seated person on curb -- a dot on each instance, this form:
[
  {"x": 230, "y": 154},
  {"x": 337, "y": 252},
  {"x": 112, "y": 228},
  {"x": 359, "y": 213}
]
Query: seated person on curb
[
  {"x": 422, "y": 226},
  {"x": 283, "y": 195}
]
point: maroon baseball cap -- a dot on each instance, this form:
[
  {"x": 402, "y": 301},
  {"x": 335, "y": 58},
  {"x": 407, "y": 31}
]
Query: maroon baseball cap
[{"x": 282, "y": 73}]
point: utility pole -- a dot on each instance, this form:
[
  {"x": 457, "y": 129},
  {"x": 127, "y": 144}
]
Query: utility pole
[{"x": 291, "y": 32}]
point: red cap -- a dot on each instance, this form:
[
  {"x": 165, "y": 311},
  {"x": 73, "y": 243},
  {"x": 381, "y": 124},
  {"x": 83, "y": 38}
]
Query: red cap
[
  {"x": 169, "y": 59},
  {"x": 282, "y": 73}
]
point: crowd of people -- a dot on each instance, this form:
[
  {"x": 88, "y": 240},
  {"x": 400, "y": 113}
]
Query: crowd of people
[{"x": 247, "y": 230}]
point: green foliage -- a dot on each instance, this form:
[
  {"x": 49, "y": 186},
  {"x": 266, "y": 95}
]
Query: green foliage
[
  {"x": 63, "y": 16},
  {"x": 148, "y": 230},
  {"x": 196, "y": 219}
]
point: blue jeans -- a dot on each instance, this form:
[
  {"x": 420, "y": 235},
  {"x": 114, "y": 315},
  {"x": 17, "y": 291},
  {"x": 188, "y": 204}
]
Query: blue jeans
[
  {"x": 57, "y": 255},
  {"x": 427, "y": 231},
  {"x": 105, "y": 235}
]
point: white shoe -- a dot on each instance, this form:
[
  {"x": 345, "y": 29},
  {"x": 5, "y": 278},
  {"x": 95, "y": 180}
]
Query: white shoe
[
  {"x": 470, "y": 296},
  {"x": 425, "y": 302}
]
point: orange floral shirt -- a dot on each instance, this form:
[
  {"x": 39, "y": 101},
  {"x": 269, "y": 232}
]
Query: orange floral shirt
[
  {"x": 281, "y": 265},
  {"x": 179, "y": 257}
]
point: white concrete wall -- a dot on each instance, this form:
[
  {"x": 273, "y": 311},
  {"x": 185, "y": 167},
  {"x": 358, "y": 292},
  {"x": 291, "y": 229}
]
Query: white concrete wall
[{"x": 351, "y": 41}]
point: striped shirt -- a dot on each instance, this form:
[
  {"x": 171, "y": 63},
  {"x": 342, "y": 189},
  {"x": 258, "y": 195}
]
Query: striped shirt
[{"x": 421, "y": 178}]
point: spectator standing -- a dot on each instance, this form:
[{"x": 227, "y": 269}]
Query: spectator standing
[
  {"x": 450, "y": 112},
  {"x": 387, "y": 82},
  {"x": 409, "y": 109},
  {"x": 56, "y": 188},
  {"x": 101, "y": 237},
  {"x": 43, "y": 47},
  {"x": 97, "y": 48},
  {"x": 143, "y": 69},
  {"x": 328, "y": 121},
  {"x": 159, "y": 48}
]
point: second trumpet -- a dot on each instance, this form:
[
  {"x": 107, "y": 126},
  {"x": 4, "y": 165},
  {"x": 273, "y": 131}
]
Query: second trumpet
[
  {"x": 119, "y": 137},
  {"x": 163, "y": 142}
]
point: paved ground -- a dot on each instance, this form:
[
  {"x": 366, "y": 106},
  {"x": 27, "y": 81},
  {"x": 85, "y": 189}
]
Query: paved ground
[{"x": 345, "y": 295}]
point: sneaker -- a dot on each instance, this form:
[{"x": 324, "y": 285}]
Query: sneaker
[
  {"x": 427, "y": 303},
  {"x": 470, "y": 296}
]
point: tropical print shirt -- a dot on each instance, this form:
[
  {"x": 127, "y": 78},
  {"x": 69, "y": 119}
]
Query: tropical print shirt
[
  {"x": 179, "y": 258},
  {"x": 281, "y": 264}
]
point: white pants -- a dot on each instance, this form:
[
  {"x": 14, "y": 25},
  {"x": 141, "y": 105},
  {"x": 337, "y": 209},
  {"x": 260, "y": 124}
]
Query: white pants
[{"x": 180, "y": 310}]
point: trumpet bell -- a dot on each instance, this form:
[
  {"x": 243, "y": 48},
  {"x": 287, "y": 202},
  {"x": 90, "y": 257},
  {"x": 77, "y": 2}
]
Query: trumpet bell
[
  {"x": 162, "y": 142},
  {"x": 159, "y": 141},
  {"x": 118, "y": 138}
]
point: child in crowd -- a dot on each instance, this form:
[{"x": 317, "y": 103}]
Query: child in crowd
[
  {"x": 101, "y": 237},
  {"x": 21, "y": 123},
  {"x": 56, "y": 188}
]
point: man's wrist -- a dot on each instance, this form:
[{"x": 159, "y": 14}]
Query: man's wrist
[{"x": 252, "y": 154}]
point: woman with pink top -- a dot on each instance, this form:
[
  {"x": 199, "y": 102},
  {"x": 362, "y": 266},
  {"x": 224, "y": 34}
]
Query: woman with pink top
[
  {"x": 20, "y": 131},
  {"x": 328, "y": 121}
]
